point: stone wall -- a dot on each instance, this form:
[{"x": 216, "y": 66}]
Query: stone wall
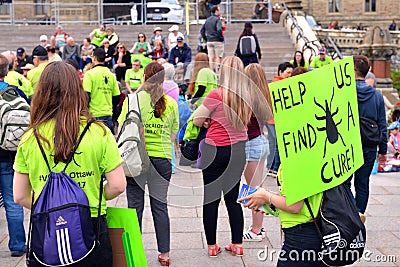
[{"x": 352, "y": 12}]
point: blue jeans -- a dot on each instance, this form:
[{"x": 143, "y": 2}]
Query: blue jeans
[
  {"x": 14, "y": 212},
  {"x": 361, "y": 180},
  {"x": 107, "y": 120},
  {"x": 299, "y": 238},
  {"x": 83, "y": 63}
]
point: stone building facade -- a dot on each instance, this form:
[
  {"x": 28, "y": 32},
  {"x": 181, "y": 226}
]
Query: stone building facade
[{"x": 352, "y": 12}]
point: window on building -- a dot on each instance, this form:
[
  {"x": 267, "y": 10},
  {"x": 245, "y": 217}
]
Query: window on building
[
  {"x": 334, "y": 6},
  {"x": 40, "y": 7},
  {"x": 5, "y": 9},
  {"x": 370, "y": 5}
]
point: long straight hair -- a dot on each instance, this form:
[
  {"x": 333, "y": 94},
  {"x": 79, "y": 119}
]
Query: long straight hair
[
  {"x": 235, "y": 94},
  {"x": 153, "y": 78},
  {"x": 60, "y": 97},
  {"x": 200, "y": 62},
  {"x": 259, "y": 92}
]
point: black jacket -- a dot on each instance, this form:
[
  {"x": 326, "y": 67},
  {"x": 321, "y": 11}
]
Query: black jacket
[{"x": 212, "y": 29}]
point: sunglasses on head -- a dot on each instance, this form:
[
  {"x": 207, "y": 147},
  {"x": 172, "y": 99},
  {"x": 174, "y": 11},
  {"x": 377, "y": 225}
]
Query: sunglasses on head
[{"x": 141, "y": 36}]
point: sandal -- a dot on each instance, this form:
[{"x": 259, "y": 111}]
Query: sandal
[
  {"x": 214, "y": 250},
  {"x": 235, "y": 249},
  {"x": 163, "y": 262}
]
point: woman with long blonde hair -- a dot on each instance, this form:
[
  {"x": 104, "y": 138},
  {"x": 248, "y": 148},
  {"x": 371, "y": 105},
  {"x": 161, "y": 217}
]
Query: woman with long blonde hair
[
  {"x": 226, "y": 112},
  {"x": 203, "y": 79},
  {"x": 256, "y": 146},
  {"x": 122, "y": 59}
]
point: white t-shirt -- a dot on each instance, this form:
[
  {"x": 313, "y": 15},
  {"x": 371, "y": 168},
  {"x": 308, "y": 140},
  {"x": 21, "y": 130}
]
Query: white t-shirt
[{"x": 172, "y": 39}]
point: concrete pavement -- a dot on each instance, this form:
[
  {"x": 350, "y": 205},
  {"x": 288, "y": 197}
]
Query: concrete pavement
[{"x": 188, "y": 244}]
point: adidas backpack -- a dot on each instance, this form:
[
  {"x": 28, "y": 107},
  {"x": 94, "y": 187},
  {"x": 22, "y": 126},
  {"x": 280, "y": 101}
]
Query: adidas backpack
[
  {"x": 131, "y": 143},
  {"x": 61, "y": 230},
  {"x": 14, "y": 118},
  {"x": 247, "y": 45},
  {"x": 342, "y": 232}
]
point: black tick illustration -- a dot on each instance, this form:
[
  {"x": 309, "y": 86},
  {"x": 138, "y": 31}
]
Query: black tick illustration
[{"x": 332, "y": 133}]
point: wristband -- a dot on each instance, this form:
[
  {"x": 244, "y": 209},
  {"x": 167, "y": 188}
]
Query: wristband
[{"x": 270, "y": 198}]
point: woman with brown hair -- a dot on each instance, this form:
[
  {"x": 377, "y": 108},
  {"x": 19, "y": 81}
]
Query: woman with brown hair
[
  {"x": 226, "y": 112},
  {"x": 257, "y": 145},
  {"x": 203, "y": 79},
  {"x": 160, "y": 118},
  {"x": 122, "y": 59},
  {"x": 57, "y": 125}
]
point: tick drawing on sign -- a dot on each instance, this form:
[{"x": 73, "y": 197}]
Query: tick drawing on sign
[{"x": 332, "y": 133}]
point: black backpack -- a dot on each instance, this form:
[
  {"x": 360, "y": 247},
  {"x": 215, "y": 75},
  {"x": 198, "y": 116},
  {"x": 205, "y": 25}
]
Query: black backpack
[
  {"x": 339, "y": 225},
  {"x": 370, "y": 133},
  {"x": 247, "y": 46}
]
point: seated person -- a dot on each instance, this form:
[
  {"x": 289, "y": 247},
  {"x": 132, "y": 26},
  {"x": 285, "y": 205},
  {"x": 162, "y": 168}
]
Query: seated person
[
  {"x": 134, "y": 77},
  {"x": 261, "y": 10},
  {"x": 181, "y": 53},
  {"x": 394, "y": 140},
  {"x": 158, "y": 52}
]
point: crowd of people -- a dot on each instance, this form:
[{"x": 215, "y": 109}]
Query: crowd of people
[{"x": 229, "y": 97}]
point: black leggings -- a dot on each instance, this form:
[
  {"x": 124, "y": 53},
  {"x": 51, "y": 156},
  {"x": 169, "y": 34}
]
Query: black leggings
[{"x": 222, "y": 169}]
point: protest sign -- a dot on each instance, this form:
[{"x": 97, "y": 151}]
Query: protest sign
[{"x": 317, "y": 129}]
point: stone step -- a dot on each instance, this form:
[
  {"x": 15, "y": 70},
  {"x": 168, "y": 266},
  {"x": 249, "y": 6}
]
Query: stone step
[{"x": 276, "y": 45}]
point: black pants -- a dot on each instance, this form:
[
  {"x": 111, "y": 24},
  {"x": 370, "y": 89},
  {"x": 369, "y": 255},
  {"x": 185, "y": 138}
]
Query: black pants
[
  {"x": 222, "y": 169},
  {"x": 101, "y": 256}
]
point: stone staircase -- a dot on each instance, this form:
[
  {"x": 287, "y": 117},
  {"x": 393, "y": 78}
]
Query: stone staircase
[{"x": 275, "y": 43}]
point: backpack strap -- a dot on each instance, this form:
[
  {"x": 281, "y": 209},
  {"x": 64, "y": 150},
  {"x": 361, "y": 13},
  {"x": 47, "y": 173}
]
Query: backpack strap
[
  {"x": 133, "y": 105},
  {"x": 315, "y": 222},
  {"x": 42, "y": 151},
  {"x": 71, "y": 155}
]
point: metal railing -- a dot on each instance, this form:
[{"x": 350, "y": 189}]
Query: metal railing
[
  {"x": 59, "y": 12},
  {"x": 312, "y": 45}
]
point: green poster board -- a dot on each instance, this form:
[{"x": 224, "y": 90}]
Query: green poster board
[
  {"x": 317, "y": 129},
  {"x": 132, "y": 239}
]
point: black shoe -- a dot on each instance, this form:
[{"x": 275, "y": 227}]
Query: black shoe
[{"x": 17, "y": 253}]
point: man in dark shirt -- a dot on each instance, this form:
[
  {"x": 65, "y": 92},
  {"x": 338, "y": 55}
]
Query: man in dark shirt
[{"x": 22, "y": 59}]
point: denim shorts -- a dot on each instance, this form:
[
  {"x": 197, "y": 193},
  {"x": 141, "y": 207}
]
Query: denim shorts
[{"x": 257, "y": 148}]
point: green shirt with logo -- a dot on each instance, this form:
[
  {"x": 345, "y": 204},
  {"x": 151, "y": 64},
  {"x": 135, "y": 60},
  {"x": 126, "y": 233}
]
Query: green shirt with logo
[
  {"x": 289, "y": 219},
  {"x": 134, "y": 78},
  {"x": 17, "y": 79},
  {"x": 96, "y": 155},
  {"x": 98, "y": 37},
  {"x": 102, "y": 86},
  {"x": 206, "y": 77},
  {"x": 157, "y": 131},
  {"x": 35, "y": 73}
]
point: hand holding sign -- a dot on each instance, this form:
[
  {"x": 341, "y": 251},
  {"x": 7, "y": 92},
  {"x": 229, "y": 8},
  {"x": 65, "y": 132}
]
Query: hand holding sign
[{"x": 317, "y": 127}]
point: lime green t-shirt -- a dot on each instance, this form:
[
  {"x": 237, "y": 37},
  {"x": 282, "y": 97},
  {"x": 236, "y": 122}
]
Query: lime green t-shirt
[
  {"x": 17, "y": 79},
  {"x": 135, "y": 78},
  {"x": 206, "y": 77},
  {"x": 96, "y": 155},
  {"x": 34, "y": 75},
  {"x": 306, "y": 65},
  {"x": 157, "y": 131},
  {"x": 102, "y": 86},
  {"x": 289, "y": 219},
  {"x": 318, "y": 63},
  {"x": 98, "y": 37}
]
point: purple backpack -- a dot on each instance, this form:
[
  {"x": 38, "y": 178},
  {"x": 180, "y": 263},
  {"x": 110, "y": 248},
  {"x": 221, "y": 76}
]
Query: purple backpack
[{"x": 61, "y": 231}]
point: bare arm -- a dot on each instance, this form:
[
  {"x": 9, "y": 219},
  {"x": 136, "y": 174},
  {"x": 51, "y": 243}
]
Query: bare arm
[
  {"x": 22, "y": 190},
  {"x": 116, "y": 183},
  {"x": 201, "y": 116},
  {"x": 263, "y": 196}
]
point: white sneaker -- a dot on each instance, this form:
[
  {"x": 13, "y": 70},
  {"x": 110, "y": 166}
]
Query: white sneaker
[
  {"x": 262, "y": 231},
  {"x": 252, "y": 237}
]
